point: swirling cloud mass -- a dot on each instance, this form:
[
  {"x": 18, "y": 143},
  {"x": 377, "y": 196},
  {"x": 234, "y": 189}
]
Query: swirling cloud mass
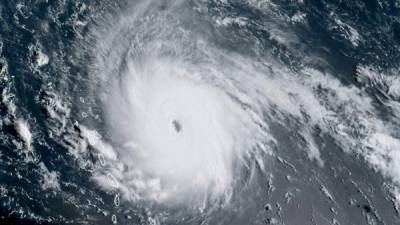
[{"x": 187, "y": 113}]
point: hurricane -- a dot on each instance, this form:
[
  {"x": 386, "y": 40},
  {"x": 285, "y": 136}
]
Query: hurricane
[
  {"x": 181, "y": 131},
  {"x": 202, "y": 112}
]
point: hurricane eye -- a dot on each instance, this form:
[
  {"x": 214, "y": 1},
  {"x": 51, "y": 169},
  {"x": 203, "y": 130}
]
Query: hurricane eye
[{"x": 177, "y": 126}]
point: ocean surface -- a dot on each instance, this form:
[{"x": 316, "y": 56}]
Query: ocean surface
[{"x": 283, "y": 112}]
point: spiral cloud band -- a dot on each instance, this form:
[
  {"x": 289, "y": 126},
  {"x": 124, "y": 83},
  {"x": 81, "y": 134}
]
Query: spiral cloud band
[
  {"x": 181, "y": 130},
  {"x": 180, "y": 135},
  {"x": 191, "y": 107}
]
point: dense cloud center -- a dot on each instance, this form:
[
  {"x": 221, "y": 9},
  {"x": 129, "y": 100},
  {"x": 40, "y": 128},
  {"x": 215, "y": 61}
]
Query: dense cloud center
[{"x": 180, "y": 135}]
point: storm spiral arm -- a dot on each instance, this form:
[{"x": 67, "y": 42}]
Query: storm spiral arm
[{"x": 178, "y": 111}]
